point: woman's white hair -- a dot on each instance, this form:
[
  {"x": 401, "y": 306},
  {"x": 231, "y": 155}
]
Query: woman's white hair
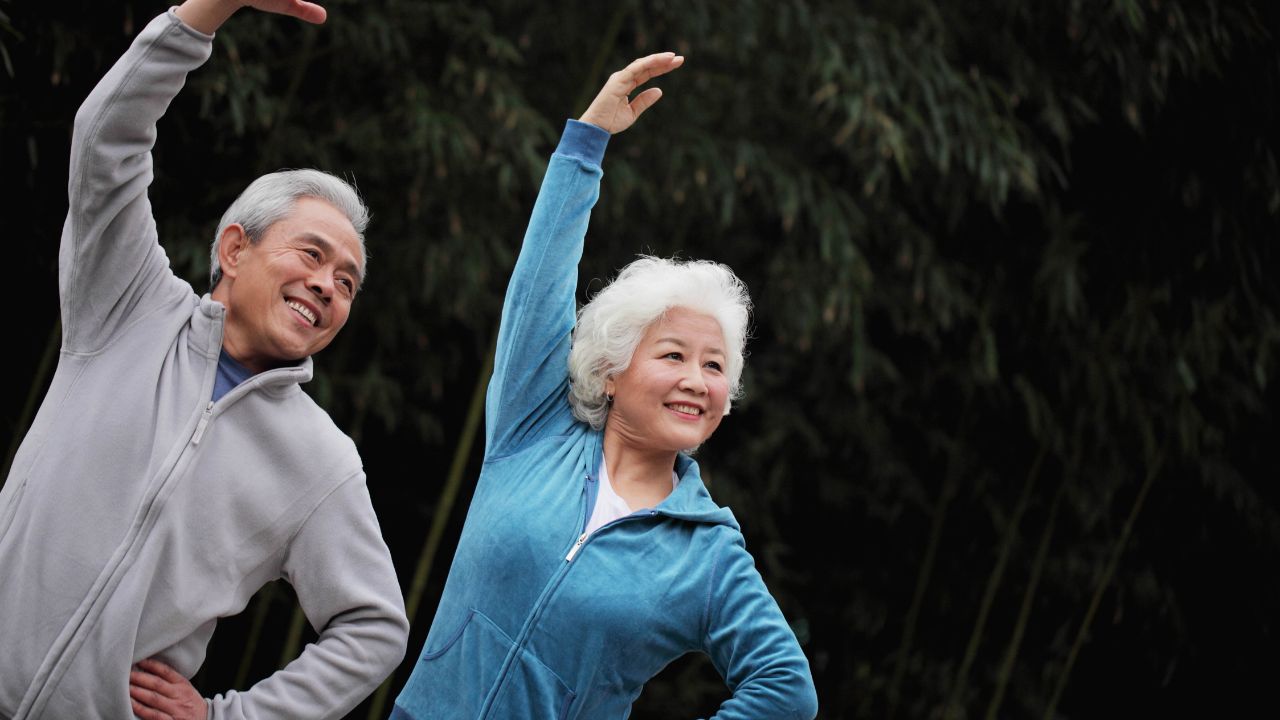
[
  {"x": 271, "y": 198},
  {"x": 611, "y": 325}
]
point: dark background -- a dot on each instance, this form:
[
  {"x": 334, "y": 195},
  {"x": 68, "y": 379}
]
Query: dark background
[{"x": 1009, "y": 445}]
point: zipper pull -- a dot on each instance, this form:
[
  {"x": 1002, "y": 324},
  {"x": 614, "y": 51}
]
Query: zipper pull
[
  {"x": 574, "y": 550},
  {"x": 200, "y": 426}
]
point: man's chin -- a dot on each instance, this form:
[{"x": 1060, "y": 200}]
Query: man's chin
[{"x": 301, "y": 349}]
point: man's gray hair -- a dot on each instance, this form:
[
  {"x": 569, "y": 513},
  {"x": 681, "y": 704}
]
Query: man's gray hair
[
  {"x": 271, "y": 198},
  {"x": 612, "y": 324}
]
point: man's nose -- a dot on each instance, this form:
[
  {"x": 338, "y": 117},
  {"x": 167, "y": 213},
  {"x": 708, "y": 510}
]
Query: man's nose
[{"x": 322, "y": 285}]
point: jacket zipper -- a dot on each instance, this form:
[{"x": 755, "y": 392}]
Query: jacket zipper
[
  {"x": 582, "y": 539},
  {"x": 574, "y": 550},
  {"x": 53, "y": 673},
  {"x": 47, "y": 673},
  {"x": 204, "y": 422},
  {"x": 535, "y": 613}
]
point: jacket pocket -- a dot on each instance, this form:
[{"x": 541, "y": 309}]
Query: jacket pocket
[
  {"x": 532, "y": 690},
  {"x": 453, "y": 678}
]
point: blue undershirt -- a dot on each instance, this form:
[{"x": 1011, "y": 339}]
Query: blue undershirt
[{"x": 230, "y": 374}]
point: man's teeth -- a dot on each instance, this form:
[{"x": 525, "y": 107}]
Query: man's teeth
[
  {"x": 302, "y": 310},
  {"x": 686, "y": 409}
]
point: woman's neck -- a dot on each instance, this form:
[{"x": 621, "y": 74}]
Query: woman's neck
[{"x": 640, "y": 476}]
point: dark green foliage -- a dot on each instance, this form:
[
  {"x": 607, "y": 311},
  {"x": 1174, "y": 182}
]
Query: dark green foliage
[{"x": 1009, "y": 441}]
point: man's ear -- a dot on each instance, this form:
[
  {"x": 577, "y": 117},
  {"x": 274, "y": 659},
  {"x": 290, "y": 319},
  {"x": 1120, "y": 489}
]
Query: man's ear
[{"x": 231, "y": 244}]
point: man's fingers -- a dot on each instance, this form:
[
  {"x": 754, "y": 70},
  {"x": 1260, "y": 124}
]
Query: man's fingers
[
  {"x": 157, "y": 686},
  {"x": 301, "y": 9},
  {"x": 309, "y": 12},
  {"x": 148, "y": 681},
  {"x": 146, "y": 713},
  {"x": 150, "y": 699},
  {"x": 155, "y": 667}
]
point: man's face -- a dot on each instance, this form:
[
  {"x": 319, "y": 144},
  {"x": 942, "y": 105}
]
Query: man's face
[{"x": 288, "y": 294}]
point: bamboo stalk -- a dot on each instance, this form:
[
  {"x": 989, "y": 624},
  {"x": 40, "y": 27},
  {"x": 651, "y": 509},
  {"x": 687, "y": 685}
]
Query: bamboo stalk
[
  {"x": 444, "y": 508},
  {"x": 1024, "y": 611},
  {"x": 930, "y": 558},
  {"x": 592, "y": 80},
  {"x": 293, "y": 640},
  {"x": 917, "y": 600},
  {"x": 994, "y": 579},
  {"x": 262, "y": 604},
  {"x": 1103, "y": 583}
]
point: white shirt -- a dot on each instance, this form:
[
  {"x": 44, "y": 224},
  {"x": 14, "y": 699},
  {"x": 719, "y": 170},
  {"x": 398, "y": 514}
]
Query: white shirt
[{"x": 609, "y": 505}]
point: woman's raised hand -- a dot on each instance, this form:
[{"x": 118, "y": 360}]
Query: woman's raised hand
[{"x": 614, "y": 109}]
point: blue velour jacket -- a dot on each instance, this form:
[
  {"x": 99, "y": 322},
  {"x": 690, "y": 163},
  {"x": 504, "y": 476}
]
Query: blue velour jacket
[{"x": 534, "y": 623}]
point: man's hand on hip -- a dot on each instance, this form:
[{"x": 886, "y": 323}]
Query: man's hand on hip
[{"x": 160, "y": 693}]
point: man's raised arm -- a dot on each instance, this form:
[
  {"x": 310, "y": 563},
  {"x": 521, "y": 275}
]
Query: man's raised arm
[{"x": 111, "y": 267}]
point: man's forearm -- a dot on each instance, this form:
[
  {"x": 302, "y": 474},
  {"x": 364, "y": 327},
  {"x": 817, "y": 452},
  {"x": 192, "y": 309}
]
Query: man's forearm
[{"x": 346, "y": 584}]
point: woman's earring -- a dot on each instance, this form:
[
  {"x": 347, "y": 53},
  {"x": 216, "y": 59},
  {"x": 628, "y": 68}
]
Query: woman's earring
[{"x": 608, "y": 399}]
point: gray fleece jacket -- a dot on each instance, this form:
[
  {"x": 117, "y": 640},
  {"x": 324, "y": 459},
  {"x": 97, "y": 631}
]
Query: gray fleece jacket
[{"x": 137, "y": 513}]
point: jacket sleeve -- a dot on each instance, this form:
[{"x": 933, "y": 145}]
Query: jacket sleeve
[
  {"x": 752, "y": 646},
  {"x": 526, "y": 396},
  {"x": 111, "y": 268},
  {"x": 341, "y": 570}
]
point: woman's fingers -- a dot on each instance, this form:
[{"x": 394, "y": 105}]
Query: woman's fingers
[{"x": 613, "y": 109}]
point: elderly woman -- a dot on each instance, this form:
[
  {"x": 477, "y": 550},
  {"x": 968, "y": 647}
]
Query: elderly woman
[{"x": 592, "y": 555}]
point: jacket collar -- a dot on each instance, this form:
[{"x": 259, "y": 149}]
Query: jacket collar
[
  {"x": 689, "y": 500},
  {"x": 206, "y": 337}
]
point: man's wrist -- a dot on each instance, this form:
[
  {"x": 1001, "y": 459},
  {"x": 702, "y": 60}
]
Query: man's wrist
[{"x": 205, "y": 16}]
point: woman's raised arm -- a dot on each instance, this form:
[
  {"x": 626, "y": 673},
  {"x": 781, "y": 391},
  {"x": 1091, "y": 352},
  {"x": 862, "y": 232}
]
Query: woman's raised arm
[{"x": 526, "y": 397}]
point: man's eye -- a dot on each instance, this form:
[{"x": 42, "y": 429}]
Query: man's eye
[{"x": 313, "y": 254}]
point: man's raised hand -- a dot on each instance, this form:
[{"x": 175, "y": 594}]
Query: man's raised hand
[
  {"x": 614, "y": 109},
  {"x": 209, "y": 15}
]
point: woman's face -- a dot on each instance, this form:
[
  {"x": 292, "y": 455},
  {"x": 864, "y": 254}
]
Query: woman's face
[{"x": 673, "y": 394}]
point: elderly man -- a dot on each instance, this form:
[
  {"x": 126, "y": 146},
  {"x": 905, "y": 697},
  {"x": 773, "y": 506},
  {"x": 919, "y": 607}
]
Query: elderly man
[{"x": 175, "y": 465}]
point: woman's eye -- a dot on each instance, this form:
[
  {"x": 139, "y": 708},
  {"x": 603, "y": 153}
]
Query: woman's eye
[
  {"x": 674, "y": 356},
  {"x": 714, "y": 365}
]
